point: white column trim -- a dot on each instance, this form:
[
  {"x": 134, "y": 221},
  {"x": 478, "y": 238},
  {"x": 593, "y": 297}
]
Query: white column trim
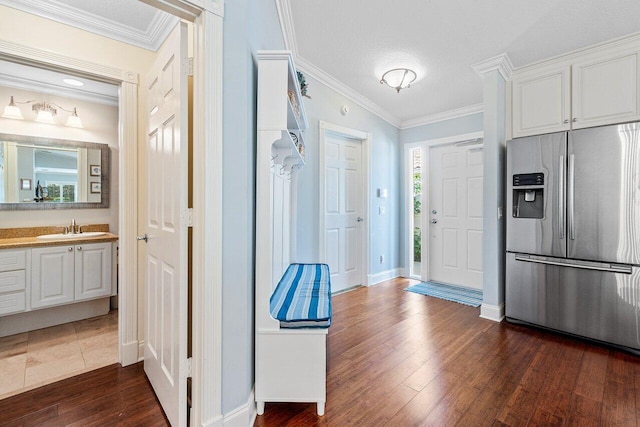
[
  {"x": 501, "y": 62},
  {"x": 128, "y": 216},
  {"x": 207, "y": 220}
]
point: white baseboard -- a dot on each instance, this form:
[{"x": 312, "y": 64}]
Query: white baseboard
[
  {"x": 140, "y": 350},
  {"x": 401, "y": 272},
  {"x": 492, "y": 312},
  {"x": 374, "y": 279},
  {"x": 130, "y": 353},
  {"x": 243, "y": 416}
]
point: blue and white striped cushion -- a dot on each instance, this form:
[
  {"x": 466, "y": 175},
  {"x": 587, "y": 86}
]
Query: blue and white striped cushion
[{"x": 302, "y": 298}]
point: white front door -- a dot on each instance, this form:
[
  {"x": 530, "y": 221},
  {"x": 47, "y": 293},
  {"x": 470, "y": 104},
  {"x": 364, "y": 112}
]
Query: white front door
[
  {"x": 343, "y": 210},
  {"x": 165, "y": 350},
  {"x": 455, "y": 215}
]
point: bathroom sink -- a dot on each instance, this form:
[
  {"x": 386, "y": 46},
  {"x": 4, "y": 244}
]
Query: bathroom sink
[{"x": 71, "y": 236}]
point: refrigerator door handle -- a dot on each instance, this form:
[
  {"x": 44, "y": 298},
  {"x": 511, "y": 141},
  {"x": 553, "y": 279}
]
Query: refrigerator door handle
[
  {"x": 571, "y": 197},
  {"x": 561, "y": 200},
  {"x": 611, "y": 268}
]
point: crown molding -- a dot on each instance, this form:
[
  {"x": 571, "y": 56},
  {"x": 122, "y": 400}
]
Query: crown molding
[
  {"x": 58, "y": 90},
  {"x": 501, "y": 63},
  {"x": 286, "y": 25},
  {"x": 312, "y": 71},
  {"x": 150, "y": 39},
  {"x": 445, "y": 115}
]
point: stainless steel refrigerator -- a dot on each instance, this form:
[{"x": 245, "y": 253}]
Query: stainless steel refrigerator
[{"x": 573, "y": 233}]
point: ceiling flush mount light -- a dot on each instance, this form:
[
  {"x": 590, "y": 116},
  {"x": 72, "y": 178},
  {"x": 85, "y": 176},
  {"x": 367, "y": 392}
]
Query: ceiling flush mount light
[
  {"x": 45, "y": 112},
  {"x": 399, "y": 78}
]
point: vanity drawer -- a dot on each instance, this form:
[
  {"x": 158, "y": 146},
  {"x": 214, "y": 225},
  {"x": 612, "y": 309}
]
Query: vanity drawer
[
  {"x": 13, "y": 260},
  {"x": 12, "y": 281},
  {"x": 12, "y": 303}
]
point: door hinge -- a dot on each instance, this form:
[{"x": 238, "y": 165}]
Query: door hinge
[
  {"x": 190, "y": 70},
  {"x": 189, "y": 217},
  {"x": 187, "y": 367}
]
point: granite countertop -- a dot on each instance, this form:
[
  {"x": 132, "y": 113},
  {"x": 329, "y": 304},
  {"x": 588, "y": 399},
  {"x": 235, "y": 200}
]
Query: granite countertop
[{"x": 11, "y": 238}]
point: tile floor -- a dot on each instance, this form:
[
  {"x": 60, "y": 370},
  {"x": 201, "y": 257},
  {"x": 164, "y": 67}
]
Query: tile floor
[{"x": 40, "y": 357}]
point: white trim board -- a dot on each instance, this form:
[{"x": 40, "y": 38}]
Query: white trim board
[
  {"x": 374, "y": 279},
  {"x": 492, "y": 312},
  {"x": 242, "y": 416},
  {"x": 365, "y": 138}
]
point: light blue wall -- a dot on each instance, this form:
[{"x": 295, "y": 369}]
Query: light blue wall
[
  {"x": 248, "y": 26},
  {"x": 446, "y": 128},
  {"x": 385, "y": 152},
  {"x": 443, "y": 129}
]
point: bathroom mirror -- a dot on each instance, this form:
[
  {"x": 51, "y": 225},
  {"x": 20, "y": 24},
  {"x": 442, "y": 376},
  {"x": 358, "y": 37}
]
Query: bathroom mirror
[{"x": 46, "y": 173}]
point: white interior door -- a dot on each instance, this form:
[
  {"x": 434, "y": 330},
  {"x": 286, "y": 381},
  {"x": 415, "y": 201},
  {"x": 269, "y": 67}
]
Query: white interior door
[
  {"x": 343, "y": 210},
  {"x": 455, "y": 215},
  {"x": 165, "y": 352}
]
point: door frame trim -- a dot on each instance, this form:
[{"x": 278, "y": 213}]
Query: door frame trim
[
  {"x": 365, "y": 138},
  {"x": 408, "y": 198}
]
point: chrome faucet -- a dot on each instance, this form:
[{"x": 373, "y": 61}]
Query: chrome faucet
[{"x": 72, "y": 229}]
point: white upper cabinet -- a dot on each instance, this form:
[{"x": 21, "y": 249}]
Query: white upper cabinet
[
  {"x": 541, "y": 102},
  {"x": 590, "y": 90},
  {"x": 605, "y": 91}
]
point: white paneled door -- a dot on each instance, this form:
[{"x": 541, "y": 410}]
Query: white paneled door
[
  {"x": 165, "y": 350},
  {"x": 343, "y": 210},
  {"x": 455, "y": 219}
]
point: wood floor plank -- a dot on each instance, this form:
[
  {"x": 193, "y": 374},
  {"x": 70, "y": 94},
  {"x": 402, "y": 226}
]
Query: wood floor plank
[
  {"x": 402, "y": 359},
  {"x": 112, "y": 395}
]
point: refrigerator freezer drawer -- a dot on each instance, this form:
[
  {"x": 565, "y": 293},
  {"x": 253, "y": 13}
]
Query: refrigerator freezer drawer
[{"x": 590, "y": 300}]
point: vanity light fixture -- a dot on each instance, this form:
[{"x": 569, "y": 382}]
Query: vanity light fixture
[
  {"x": 399, "y": 78},
  {"x": 45, "y": 112},
  {"x": 12, "y": 111}
]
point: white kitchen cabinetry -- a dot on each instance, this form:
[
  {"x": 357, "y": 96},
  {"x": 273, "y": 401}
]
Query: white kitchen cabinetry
[
  {"x": 63, "y": 274},
  {"x": 541, "y": 102},
  {"x": 605, "y": 91},
  {"x": 589, "y": 91}
]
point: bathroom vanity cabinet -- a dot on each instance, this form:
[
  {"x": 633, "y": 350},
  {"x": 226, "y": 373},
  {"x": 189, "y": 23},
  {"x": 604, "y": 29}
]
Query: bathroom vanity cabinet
[
  {"x": 46, "y": 284},
  {"x": 73, "y": 272}
]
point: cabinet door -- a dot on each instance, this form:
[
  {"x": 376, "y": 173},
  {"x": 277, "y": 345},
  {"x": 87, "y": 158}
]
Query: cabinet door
[
  {"x": 92, "y": 271},
  {"x": 51, "y": 276},
  {"x": 605, "y": 91},
  {"x": 541, "y": 102}
]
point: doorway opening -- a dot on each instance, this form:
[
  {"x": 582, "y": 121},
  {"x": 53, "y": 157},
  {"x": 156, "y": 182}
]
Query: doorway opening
[
  {"x": 344, "y": 205},
  {"x": 443, "y": 193}
]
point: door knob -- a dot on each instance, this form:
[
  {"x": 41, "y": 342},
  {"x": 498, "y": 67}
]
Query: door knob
[
  {"x": 434, "y": 211},
  {"x": 143, "y": 237},
  {"x": 359, "y": 219},
  {"x": 434, "y": 221}
]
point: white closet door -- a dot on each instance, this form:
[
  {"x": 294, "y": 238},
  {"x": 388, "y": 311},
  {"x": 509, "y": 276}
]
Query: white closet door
[{"x": 343, "y": 211}]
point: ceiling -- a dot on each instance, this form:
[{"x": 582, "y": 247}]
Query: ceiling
[{"x": 349, "y": 44}]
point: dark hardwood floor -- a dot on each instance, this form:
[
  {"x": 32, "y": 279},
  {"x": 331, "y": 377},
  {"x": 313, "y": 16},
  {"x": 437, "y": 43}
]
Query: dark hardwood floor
[
  {"x": 108, "y": 396},
  {"x": 397, "y": 358}
]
